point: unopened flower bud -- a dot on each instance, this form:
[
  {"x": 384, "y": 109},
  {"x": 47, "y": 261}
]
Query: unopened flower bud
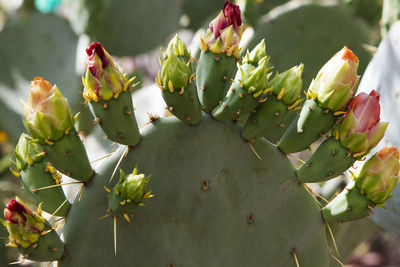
[
  {"x": 24, "y": 226},
  {"x": 361, "y": 129},
  {"x": 103, "y": 79},
  {"x": 256, "y": 80},
  {"x": 336, "y": 82},
  {"x": 175, "y": 73},
  {"x": 379, "y": 175},
  {"x": 290, "y": 82},
  {"x": 27, "y": 152},
  {"x": 225, "y": 31},
  {"x": 47, "y": 113},
  {"x": 177, "y": 47},
  {"x": 132, "y": 187},
  {"x": 256, "y": 54}
]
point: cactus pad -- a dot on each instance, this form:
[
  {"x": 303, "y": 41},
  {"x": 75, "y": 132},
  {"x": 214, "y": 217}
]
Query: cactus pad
[{"x": 212, "y": 195}]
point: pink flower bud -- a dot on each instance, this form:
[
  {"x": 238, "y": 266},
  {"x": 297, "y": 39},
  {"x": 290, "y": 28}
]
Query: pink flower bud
[
  {"x": 379, "y": 175},
  {"x": 361, "y": 129},
  {"x": 366, "y": 110}
]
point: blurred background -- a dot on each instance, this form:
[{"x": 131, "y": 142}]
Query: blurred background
[{"x": 48, "y": 38}]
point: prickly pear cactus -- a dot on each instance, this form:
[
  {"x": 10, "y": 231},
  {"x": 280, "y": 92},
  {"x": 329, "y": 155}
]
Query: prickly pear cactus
[{"x": 195, "y": 189}]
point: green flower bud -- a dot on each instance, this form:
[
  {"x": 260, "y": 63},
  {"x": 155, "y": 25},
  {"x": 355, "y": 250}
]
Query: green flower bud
[
  {"x": 256, "y": 80},
  {"x": 288, "y": 84},
  {"x": 177, "y": 47},
  {"x": 256, "y": 54},
  {"x": 132, "y": 187},
  {"x": 336, "y": 82},
  {"x": 175, "y": 73},
  {"x": 47, "y": 113},
  {"x": 379, "y": 175},
  {"x": 103, "y": 80},
  {"x": 27, "y": 152}
]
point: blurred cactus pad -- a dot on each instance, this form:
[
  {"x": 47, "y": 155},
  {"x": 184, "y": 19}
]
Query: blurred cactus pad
[
  {"x": 310, "y": 33},
  {"x": 211, "y": 184}
]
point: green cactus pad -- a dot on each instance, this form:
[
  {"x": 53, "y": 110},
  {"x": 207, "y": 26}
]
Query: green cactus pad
[
  {"x": 213, "y": 78},
  {"x": 175, "y": 79},
  {"x": 38, "y": 175},
  {"x": 349, "y": 205},
  {"x": 117, "y": 208},
  {"x": 237, "y": 103},
  {"x": 349, "y": 235},
  {"x": 331, "y": 159},
  {"x": 49, "y": 247},
  {"x": 247, "y": 90},
  {"x": 214, "y": 212},
  {"x": 269, "y": 119},
  {"x": 125, "y": 27},
  {"x": 184, "y": 104},
  {"x": 309, "y": 125},
  {"x": 199, "y": 12},
  {"x": 117, "y": 119},
  {"x": 68, "y": 155}
]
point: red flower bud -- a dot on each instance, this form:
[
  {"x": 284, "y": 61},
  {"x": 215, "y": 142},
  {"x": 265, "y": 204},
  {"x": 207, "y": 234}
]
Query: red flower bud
[
  {"x": 232, "y": 14},
  {"x": 15, "y": 211},
  {"x": 96, "y": 49}
]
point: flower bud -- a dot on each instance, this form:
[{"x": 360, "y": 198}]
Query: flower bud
[
  {"x": 366, "y": 110},
  {"x": 290, "y": 82},
  {"x": 103, "y": 80},
  {"x": 177, "y": 47},
  {"x": 24, "y": 226},
  {"x": 256, "y": 80},
  {"x": 336, "y": 82},
  {"x": 27, "y": 152},
  {"x": 230, "y": 15},
  {"x": 132, "y": 187},
  {"x": 175, "y": 73},
  {"x": 361, "y": 129},
  {"x": 47, "y": 113},
  {"x": 225, "y": 31},
  {"x": 379, "y": 175},
  {"x": 256, "y": 54}
]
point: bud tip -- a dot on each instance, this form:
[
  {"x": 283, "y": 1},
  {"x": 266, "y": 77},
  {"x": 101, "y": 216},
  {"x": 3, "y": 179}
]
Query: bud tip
[{"x": 347, "y": 54}]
